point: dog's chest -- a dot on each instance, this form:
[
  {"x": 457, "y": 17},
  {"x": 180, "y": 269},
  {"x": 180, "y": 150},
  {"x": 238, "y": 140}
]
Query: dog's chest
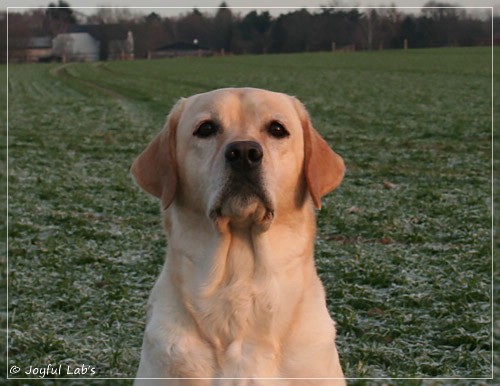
[
  {"x": 237, "y": 321},
  {"x": 237, "y": 311},
  {"x": 241, "y": 300}
]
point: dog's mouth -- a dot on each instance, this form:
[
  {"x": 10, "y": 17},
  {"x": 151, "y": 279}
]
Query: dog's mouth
[{"x": 244, "y": 203}]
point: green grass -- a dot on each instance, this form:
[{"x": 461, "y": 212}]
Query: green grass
[{"x": 403, "y": 246}]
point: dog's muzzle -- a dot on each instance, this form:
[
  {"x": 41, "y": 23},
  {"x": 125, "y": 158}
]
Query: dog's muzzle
[{"x": 244, "y": 199}]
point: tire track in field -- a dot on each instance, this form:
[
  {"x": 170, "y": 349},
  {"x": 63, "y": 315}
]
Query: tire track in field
[
  {"x": 127, "y": 105},
  {"x": 62, "y": 72}
]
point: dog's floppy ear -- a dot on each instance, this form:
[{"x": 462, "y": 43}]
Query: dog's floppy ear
[
  {"x": 155, "y": 170},
  {"x": 324, "y": 169}
]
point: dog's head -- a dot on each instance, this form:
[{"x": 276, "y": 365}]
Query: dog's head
[{"x": 239, "y": 154}]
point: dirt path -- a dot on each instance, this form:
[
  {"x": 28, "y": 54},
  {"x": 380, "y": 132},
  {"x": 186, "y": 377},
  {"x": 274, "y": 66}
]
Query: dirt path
[
  {"x": 130, "y": 107},
  {"x": 62, "y": 72}
]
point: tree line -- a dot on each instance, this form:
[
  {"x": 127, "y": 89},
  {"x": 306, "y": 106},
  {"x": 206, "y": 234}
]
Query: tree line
[{"x": 256, "y": 32}]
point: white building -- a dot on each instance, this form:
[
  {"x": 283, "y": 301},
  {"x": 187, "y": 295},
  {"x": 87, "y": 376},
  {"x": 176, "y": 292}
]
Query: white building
[{"x": 76, "y": 46}]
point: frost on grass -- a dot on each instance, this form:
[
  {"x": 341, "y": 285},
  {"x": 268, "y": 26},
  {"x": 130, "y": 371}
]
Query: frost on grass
[{"x": 403, "y": 245}]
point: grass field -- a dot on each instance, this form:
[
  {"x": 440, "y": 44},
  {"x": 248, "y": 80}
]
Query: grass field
[{"x": 403, "y": 247}]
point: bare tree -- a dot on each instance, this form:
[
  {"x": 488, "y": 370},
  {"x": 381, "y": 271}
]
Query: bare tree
[
  {"x": 223, "y": 28},
  {"x": 59, "y": 17},
  {"x": 443, "y": 22},
  {"x": 3, "y": 37},
  {"x": 112, "y": 16},
  {"x": 252, "y": 33},
  {"x": 18, "y": 34},
  {"x": 194, "y": 26}
]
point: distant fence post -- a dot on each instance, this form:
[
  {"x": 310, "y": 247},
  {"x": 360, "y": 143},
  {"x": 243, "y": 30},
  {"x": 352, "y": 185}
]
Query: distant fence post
[
  {"x": 405, "y": 43},
  {"x": 334, "y": 46}
]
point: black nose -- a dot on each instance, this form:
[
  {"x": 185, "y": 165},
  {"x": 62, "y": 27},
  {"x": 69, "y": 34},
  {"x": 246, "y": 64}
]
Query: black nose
[{"x": 244, "y": 155}]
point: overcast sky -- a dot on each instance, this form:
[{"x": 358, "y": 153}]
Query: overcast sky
[{"x": 148, "y": 5}]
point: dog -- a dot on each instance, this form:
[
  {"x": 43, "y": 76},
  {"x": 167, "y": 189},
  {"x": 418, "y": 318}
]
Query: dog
[{"x": 238, "y": 172}]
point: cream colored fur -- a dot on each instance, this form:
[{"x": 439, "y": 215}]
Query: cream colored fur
[{"x": 238, "y": 299}]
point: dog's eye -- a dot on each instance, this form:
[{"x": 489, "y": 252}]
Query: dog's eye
[
  {"x": 206, "y": 129},
  {"x": 277, "y": 130}
]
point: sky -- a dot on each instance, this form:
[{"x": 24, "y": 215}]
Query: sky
[{"x": 146, "y": 6}]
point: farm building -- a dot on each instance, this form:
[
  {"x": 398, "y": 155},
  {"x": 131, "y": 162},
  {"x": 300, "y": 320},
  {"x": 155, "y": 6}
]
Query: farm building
[
  {"x": 29, "y": 49},
  {"x": 38, "y": 47},
  {"x": 76, "y": 46},
  {"x": 95, "y": 42},
  {"x": 116, "y": 41},
  {"x": 120, "y": 45}
]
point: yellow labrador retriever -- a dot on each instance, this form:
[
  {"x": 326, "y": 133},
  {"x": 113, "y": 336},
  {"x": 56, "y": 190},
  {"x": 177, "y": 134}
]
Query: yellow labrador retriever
[{"x": 238, "y": 172}]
